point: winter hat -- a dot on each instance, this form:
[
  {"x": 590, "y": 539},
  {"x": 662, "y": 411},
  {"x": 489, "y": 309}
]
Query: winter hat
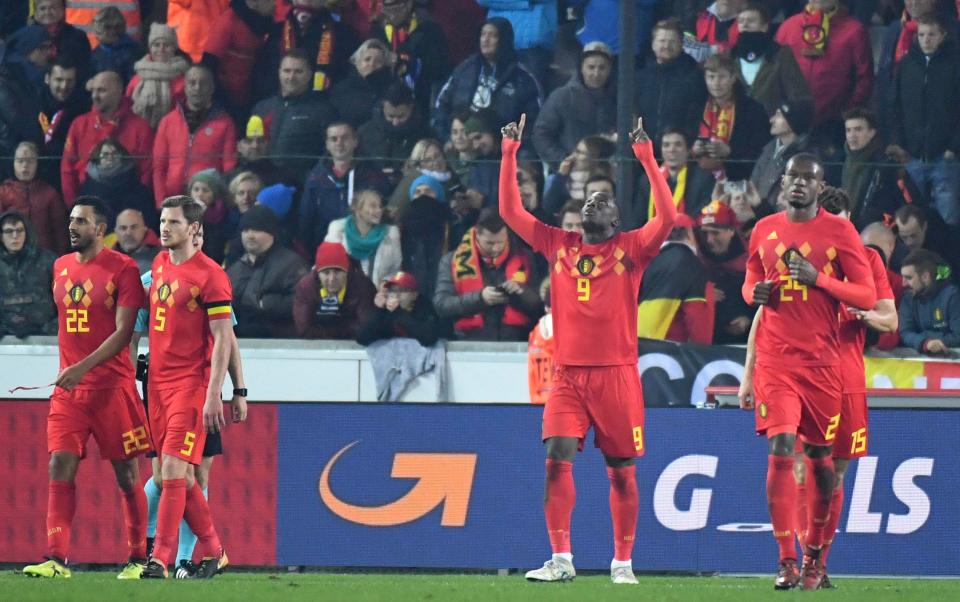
[
  {"x": 481, "y": 122},
  {"x": 260, "y": 218},
  {"x": 430, "y": 181},
  {"x": 799, "y": 114},
  {"x": 403, "y": 280},
  {"x": 331, "y": 255},
  {"x": 210, "y": 177},
  {"x": 27, "y": 39},
  {"x": 255, "y": 127},
  {"x": 159, "y": 31},
  {"x": 278, "y": 197},
  {"x": 596, "y": 48}
]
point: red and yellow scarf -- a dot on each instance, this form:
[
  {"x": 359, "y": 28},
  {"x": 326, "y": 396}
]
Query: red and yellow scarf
[
  {"x": 468, "y": 277},
  {"x": 718, "y": 122},
  {"x": 321, "y": 81},
  {"x": 679, "y": 190},
  {"x": 816, "y": 30},
  {"x": 707, "y": 31}
]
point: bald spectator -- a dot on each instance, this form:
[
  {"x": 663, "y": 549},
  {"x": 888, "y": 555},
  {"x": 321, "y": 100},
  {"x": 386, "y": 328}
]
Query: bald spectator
[
  {"x": 833, "y": 52},
  {"x": 194, "y": 136},
  {"x": 769, "y": 70},
  {"x": 670, "y": 86},
  {"x": 333, "y": 299},
  {"x": 135, "y": 239},
  {"x": 112, "y": 116}
]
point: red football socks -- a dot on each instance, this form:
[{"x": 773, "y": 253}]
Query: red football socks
[
  {"x": 836, "y": 507},
  {"x": 558, "y": 505},
  {"x": 801, "y": 522},
  {"x": 820, "y": 492},
  {"x": 781, "y": 498},
  {"x": 197, "y": 515},
  {"x": 624, "y": 506},
  {"x": 173, "y": 499},
  {"x": 61, "y": 506},
  {"x": 134, "y": 504}
]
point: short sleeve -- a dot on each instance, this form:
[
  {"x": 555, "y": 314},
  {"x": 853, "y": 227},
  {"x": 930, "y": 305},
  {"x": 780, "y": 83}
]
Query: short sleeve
[
  {"x": 216, "y": 295},
  {"x": 129, "y": 289}
]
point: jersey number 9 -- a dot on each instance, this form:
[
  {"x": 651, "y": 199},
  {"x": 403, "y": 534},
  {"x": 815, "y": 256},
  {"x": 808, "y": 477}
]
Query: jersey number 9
[{"x": 583, "y": 289}]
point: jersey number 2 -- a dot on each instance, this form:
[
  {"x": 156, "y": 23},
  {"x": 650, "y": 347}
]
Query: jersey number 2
[{"x": 583, "y": 289}]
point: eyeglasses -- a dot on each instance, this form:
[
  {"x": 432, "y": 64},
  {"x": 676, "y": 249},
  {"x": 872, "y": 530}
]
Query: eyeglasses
[{"x": 14, "y": 231}]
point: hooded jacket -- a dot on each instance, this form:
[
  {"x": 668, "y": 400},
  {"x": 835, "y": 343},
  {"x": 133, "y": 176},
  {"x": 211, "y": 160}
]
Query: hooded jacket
[
  {"x": 130, "y": 130},
  {"x": 926, "y": 97},
  {"x": 516, "y": 90},
  {"x": 356, "y": 98},
  {"x": 26, "y": 301},
  {"x": 668, "y": 94},
  {"x": 571, "y": 113},
  {"x": 934, "y": 315},
  {"x": 179, "y": 153},
  {"x": 43, "y": 209}
]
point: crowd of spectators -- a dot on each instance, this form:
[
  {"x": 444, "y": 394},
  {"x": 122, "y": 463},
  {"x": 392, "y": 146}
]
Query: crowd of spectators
[{"x": 347, "y": 151}]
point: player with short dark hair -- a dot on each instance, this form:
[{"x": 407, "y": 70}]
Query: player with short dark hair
[
  {"x": 594, "y": 284},
  {"x": 796, "y": 262},
  {"x": 190, "y": 346},
  {"x": 97, "y": 292}
]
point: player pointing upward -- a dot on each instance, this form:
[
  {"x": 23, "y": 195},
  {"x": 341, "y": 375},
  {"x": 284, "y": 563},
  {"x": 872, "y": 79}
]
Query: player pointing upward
[{"x": 594, "y": 283}]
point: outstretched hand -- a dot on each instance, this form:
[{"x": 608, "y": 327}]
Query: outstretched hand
[
  {"x": 639, "y": 135},
  {"x": 514, "y": 131}
]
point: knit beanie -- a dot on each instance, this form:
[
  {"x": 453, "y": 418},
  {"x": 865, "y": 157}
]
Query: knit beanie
[
  {"x": 159, "y": 31},
  {"x": 260, "y": 218},
  {"x": 278, "y": 197},
  {"x": 799, "y": 114},
  {"x": 433, "y": 183},
  {"x": 210, "y": 177},
  {"x": 331, "y": 255}
]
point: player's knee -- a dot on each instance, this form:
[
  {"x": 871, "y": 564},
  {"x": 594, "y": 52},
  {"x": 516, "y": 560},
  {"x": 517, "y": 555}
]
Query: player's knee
[
  {"x": 62, "y": 466},
  {"x": 817, "y": 451},
  {"x": 618, "y": 462},
  {"x": 782, "y": 444},
  {"x": 563, "y": 449}
]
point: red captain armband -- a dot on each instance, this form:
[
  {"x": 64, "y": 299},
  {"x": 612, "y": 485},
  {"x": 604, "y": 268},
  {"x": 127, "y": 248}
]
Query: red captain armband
[{"x": 218, "y": 310}]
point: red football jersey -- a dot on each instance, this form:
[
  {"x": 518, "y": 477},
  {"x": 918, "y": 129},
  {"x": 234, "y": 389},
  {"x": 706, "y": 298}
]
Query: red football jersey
[
  {"x": 593, "y": 294},
  {"x": 853, "y": 332},
  {"x": 87, "y": 297},
  {"x": 800, "y": 324},
  {"x": 183, "y": 299}
]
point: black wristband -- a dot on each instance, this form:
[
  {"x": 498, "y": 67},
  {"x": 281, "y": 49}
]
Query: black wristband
[{"x": 240, "y": 392}]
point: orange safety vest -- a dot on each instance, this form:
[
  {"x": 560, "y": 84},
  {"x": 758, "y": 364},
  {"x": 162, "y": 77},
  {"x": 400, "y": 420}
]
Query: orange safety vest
[
  {"x": 540, "y": 360},
  {"x": 193, "y": 19},
  {"x": 80, "y": 14}
]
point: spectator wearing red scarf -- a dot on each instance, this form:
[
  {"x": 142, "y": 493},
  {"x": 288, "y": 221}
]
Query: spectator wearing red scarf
[
  {"x": 717, "y": 25},
  {"x": 833, "y": 52}
]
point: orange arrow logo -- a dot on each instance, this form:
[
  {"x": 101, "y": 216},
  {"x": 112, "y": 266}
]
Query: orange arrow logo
[{"x": 443, "y": 479}]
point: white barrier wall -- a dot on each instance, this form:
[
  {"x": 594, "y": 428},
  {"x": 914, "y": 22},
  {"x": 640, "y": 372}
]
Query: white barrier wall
[{"x": 294, "y": 370}]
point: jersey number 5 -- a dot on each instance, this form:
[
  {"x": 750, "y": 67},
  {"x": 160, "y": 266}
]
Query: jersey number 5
[
  {"x": 583, "y": 289},
  {"x": 77, "y": 320},
  {"x": 161, "y": 319}
]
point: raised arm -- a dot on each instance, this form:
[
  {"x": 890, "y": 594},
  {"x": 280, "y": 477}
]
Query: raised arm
[
  {"x": 655, "y": 231},
  {"x": 511, "y": 207}
]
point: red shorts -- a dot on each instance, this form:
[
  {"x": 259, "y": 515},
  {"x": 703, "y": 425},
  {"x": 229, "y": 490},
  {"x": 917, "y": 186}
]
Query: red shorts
[
  {"x": 608, "y": 398},
  {"x": 176, "y": 422},
  {"x": 805, "y": 400},
  {"x": 852, "y": 433},
  {"x": 114, "y": 417}
]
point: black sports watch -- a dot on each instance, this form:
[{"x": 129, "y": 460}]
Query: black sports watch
[{"x": 240, "y": 392}]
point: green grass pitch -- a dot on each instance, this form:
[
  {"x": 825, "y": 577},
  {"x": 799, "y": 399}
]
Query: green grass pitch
[{"x": 360, "y": 587}]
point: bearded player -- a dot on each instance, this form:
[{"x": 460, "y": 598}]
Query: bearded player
[
  {"x": 852, "y": 434},
  {"x": 804, "y": 263},
  {"x": 97, "y": 292},
  {"x": 594, "y": 283},
  {"x": 190, "y": 346}
]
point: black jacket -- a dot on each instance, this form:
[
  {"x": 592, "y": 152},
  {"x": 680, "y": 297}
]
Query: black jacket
[
  {"x": 571, "y": 113},
  {"x": 516, "y": 91},
  {"x": 263, "y": 293},
  {"x": 668, "y": 94},
  {"x": 297, "y": 128},
  {"x": 26, "y": 302},
  {"x": 926, "y": 97},
  {"x": 390, "y": 145},
  {"x": 696, "y": 196},
  {"x": 751, "y": 131},
  {"x": 421, "y": 324},
  {"x": 357, "y": 98},
  {"x": 18, "y": 115},
  {"x": 123, "y": 191}
]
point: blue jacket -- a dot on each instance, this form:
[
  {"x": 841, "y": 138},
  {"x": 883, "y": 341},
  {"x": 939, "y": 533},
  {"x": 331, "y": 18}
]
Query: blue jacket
[
  {"x": 933, "y": 316},
  {"x": 534, "y": 21},
  {"x": 601, "y": 21}
]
